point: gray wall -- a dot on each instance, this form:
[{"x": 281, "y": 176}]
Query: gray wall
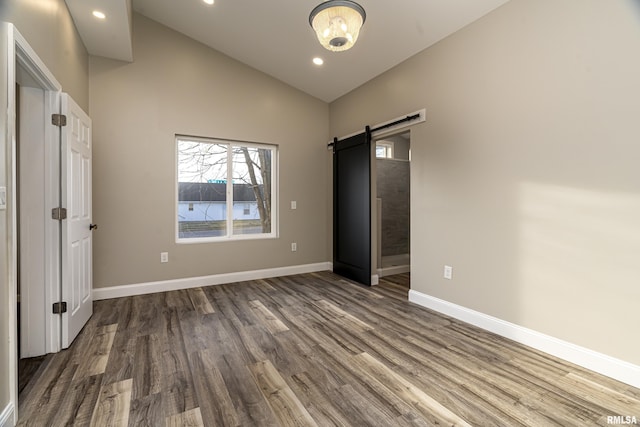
[
  {"x": 178, "y": 86},
  {"x": 49, "y": 30},
  {"x": 526, "y": 170}
]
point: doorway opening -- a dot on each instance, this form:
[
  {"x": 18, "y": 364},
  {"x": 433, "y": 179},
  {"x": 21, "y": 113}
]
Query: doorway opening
[
  {"x": 43, "y": 262},
  {"x": 393, "y": 197},
  {"x": 32, "y": 177},
  {"x": 33, "y": 189}
]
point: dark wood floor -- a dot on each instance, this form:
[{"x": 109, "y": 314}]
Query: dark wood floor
[
  {"x": 311, "y": 349},
  {"x": 27, "y": 369}
]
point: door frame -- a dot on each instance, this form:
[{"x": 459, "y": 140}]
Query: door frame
[
  {"x": 21, "y": 55},
  {"x": 376, "y": 211}
]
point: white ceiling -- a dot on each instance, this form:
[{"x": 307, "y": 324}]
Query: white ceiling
[{"x": 275, "y": 36}]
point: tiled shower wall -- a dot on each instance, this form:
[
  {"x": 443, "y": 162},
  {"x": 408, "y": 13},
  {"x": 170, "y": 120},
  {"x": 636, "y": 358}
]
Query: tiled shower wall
[{"x": 393, "y": 189}]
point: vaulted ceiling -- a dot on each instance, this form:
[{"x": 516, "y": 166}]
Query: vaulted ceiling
[{"x": 275, "y": 36}]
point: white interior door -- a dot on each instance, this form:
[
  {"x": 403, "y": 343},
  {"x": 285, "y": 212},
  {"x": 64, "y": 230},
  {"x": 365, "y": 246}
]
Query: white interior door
[{"x": 76, "y": 229}]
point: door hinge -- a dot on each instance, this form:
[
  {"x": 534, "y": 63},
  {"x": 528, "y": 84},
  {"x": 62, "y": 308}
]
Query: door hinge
[
  {"x": 59, "y": 213},
  {"x": 59, "y": 120},
  {"x": 59, "y": 307}
]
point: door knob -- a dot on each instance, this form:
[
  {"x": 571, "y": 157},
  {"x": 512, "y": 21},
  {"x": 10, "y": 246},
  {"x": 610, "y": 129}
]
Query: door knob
[{"x": 93, "y": 226}]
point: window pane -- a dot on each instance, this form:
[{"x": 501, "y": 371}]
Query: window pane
[
  {"x": 252, "y": 190},
  {"x": 384, "y": 149},
  {"x": 225, "y": 189},
  {"x": 202, "y": 189}
]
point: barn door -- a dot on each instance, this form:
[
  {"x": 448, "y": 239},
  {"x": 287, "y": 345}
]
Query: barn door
[
  {"x": 75, "y": 176},
  {"x": 352, "y": 208}
]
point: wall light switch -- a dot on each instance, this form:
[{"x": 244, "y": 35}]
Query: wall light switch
[
  {"x": 294, "y": 204},
  {"x": 3, "y": 198},
  {"x": 294, "y": 247}
]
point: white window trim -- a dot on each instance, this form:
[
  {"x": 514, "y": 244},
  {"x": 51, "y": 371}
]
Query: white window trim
[{"x": 275, "y": 190}]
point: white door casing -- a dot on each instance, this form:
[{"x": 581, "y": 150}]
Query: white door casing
[{"x": 77, "y": 274}]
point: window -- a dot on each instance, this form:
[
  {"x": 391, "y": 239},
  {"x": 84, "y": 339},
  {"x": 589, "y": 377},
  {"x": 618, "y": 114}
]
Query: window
[
  {"x": 384, "y": 149},
  {"x": 226, "y": 190}
]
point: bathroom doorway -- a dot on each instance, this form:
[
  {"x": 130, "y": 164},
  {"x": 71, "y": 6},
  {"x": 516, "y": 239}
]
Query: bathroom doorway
[{"x": 393, "y": 197}]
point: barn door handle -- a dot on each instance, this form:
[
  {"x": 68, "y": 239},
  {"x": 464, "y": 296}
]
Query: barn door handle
[{"x": 93, "y": 226}]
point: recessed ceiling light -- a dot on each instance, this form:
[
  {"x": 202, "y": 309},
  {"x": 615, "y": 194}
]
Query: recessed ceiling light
[
  {"x": 318, "y": 61},
  {"x": 208, "y": 1},
  {"x": 99, "y": 14}
]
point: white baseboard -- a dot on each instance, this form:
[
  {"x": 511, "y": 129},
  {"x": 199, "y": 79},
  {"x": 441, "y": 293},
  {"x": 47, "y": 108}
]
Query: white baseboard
[
  {"x": 6, "y": 417},
  {"x": 195, "y": 282},
  {"x": 615, "y": 368}
]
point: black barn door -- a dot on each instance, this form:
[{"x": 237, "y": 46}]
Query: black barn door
[{"x": 352, "y": 208}]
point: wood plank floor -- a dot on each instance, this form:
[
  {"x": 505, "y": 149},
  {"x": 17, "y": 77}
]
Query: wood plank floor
[{"x": 306, "y": 350}]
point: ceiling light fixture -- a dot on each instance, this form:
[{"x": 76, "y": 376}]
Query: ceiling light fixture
[
  {"x": 337, "y": 23},
  {"x": 209, "y": 2},
  {"x": 99, "y": 15},
  {"x": 318, "y": 61}
]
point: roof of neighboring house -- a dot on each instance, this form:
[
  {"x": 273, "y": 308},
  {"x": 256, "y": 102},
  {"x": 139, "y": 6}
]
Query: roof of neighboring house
[{"x": 214, "y": 192}]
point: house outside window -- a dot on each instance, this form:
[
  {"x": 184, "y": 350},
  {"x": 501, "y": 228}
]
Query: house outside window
[{"x": 226, "y": 190}]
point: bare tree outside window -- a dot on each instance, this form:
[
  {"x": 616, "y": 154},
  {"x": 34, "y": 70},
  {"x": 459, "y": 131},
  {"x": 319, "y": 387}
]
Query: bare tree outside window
[
  {"x": 228, "y": 187},
  {"x": 258, "y": 177}
]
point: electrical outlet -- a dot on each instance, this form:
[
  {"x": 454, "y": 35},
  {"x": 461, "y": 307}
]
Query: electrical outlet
[
  {"x": 294, "y": 247},
  {"x": 164, "y": 256},
  {"x": 448, "y": 272},
  {"x": 294, "y": 205}
]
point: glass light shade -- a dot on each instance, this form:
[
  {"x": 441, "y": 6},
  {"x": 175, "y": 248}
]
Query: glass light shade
[{"x": 337, "y": 23}]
